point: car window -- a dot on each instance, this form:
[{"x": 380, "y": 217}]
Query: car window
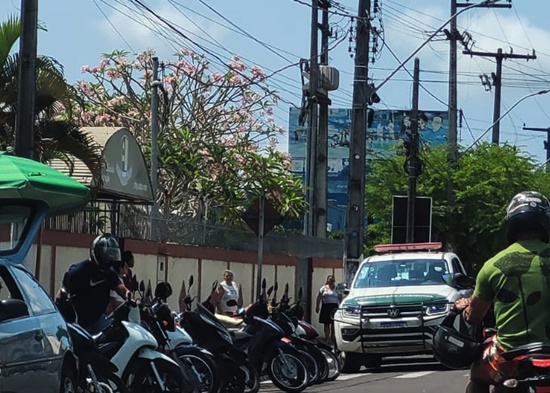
[
  {"x": 457, "y": 266},
  {"x": 401, "y": 273},
  {"x": 40, "y": 302}
]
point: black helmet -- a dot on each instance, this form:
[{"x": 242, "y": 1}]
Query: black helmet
[
  {"x": 527, "y": 211},
  {"x": 456, "y": 344},
  {"x": 104, "y": 251}
]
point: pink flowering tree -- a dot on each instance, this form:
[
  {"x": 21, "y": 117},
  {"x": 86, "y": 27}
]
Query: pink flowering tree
[{"x": 217, "y": 144}]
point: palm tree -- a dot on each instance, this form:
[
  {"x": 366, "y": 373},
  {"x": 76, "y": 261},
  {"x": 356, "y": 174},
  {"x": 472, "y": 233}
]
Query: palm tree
[{"x": 54, "y": 138}]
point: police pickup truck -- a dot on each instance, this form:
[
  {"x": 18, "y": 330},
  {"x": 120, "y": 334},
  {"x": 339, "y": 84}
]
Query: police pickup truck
[{"x": 395, "y": 301}]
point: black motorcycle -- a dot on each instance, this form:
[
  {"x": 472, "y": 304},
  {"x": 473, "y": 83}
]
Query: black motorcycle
[
  {"x": 237, "y": 374},
  {"x": 268, "y": 348}
]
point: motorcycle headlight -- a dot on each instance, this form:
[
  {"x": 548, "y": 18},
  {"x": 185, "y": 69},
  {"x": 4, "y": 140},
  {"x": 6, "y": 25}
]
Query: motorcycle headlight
[
  {"x": 352, "y": 311},
  {"x": 438, "y": 308}
]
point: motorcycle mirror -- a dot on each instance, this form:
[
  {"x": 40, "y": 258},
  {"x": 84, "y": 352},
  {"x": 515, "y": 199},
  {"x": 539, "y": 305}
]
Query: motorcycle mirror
[
  {"x": 141, "y": 286},
  {"x": 191, "y": 281},
  {"x": 276, "y": 286},
  {"x": 134, "y": 283},
  {"x": 264, "y": 284},
  {"x": 232, "y": 302},
  {"x": 300, "y": 294},
  {"x": 214, "y": 285},
  {"x": 286, "y": 289},
  {"x": 270, "y": 290}
]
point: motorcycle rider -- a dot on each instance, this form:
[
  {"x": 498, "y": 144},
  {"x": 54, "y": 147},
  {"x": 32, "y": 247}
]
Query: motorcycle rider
[
  {"x": 89, "y": 283},
  {"x": 516, "y": 282}
]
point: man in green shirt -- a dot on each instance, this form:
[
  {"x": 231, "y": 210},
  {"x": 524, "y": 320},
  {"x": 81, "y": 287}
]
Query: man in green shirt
[{"x": 517, "y": 282}]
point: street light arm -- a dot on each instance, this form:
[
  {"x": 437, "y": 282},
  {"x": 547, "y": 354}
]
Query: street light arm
[
  {"x": 536, "y": 93},
  {"x": 482, "y": 4}
]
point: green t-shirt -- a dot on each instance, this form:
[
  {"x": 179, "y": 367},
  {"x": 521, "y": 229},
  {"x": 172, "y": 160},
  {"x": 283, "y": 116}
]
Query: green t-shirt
[{"x": 517, "y": 281}]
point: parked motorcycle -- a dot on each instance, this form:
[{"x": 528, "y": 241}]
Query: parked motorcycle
[
  {"x": 196, "y": 362},
  {"x": 312, "y": 357},
  {"x": 268, "y": 349},
  {"x": 95, "y": 372},
  {"x": 133, "y": 350},
  {"x": 307, "y": 331},
  {"x": 236, "y": 372}
]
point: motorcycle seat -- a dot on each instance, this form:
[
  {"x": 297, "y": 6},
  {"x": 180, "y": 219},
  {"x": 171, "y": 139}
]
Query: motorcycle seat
[
  {"x": 240, "y": 335},
  {"x": 527, "y": 349}
]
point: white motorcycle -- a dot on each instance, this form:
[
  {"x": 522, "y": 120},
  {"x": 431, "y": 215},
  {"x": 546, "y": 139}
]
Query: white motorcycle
[{"x": 134, "y": 351}]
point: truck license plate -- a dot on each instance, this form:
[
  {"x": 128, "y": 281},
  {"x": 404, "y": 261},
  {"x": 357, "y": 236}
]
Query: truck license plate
[{"x": 389, "y": 325}]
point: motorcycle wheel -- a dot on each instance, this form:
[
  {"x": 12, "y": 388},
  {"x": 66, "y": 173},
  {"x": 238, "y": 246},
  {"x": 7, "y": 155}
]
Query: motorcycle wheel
[
  {"x": 332, "y": 363},
  {"x": 234, "y": 381},
  {"x": 314, "y": 373},
  {"x": 204, "y": 365},
  {"x": 252, "y": 379},
  {"x": 287, "y": 371},
  {"x": 110, "y": 384},
  {"x": 142, "y": 379},
  {"x": 321, "y": 361}
]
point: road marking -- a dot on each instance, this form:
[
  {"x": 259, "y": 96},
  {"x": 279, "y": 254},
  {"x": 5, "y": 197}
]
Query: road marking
[
  {"x": 415, "y": 375},
  {"x": 345, "y": 377}
]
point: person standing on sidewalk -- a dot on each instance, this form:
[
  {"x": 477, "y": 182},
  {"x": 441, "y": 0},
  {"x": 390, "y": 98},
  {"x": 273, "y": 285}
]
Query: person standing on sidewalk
[{"x": 327, "y": 303}]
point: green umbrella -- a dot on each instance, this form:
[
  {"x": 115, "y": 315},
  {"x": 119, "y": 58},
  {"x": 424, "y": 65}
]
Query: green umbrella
[{"x": 21, "y": 178}]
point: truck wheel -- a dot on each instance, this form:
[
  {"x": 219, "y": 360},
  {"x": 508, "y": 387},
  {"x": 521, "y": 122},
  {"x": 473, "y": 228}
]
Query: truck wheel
[
  {"x": 372, "y": 361},
  {"x": 350, "y": 362}
]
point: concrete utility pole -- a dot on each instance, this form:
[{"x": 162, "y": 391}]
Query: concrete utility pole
[
  {"x": 313, "y": 126},
  {"x": 413, "y": 167},
  {"x": 154, "y": 149},
  {"x": 355, "y": 219},
  {"x": 455, "y": 36},
  {"x": 546, "y": 142},
  {"x": 497, "y": 82},
  {"x": 320, "y": 169},
  {"x": 26, "y": 89}
]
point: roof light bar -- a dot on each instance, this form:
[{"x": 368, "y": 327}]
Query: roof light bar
[{"x": 428, "y": 246}]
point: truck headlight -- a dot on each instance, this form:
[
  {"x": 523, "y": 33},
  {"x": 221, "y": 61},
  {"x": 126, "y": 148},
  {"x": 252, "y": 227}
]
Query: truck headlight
[
  {"x": 438, "y": 308},
  {"x": 352, "y": 311}
]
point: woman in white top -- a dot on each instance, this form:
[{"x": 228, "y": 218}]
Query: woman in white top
[
  {"x": 330, "y": 299},
  {"x": 227, "y": 290}
]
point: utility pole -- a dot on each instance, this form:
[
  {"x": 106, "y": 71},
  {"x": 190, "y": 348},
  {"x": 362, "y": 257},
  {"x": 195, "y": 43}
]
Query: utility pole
[
  {"x": 413, "y": 167},
  {"x": 320, "y": 169},
  {"x": 355, "y": 218},
  {"x": 26, "y": 89},
  {"x": 313, "y": 126},
  {"x": 154, "y": 149},
  {"x": 455, "y": 36},
  {"x": 546, "y": 142},
  {"x": 497, "y": 82}
]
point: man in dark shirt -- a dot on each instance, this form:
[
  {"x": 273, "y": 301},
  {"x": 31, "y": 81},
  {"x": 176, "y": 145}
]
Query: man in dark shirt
[{"x": 89, "y": 283}]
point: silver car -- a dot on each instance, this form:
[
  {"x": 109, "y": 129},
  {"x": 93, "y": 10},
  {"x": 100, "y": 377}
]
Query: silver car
[{"x": 35, "y": 348}]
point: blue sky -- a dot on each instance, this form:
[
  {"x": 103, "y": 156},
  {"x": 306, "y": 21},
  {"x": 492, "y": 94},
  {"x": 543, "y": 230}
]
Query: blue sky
[{"x": 79, "y": 31}]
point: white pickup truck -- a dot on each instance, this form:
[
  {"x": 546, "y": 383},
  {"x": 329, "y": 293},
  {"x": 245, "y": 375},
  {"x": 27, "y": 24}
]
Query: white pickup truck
[{"x": 395, "y": 301}]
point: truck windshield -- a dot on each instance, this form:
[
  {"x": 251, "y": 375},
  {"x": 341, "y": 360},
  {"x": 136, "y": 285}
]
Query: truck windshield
[{"x": 401, "y": 273}]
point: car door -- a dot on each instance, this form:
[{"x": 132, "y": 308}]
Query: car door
[
  {"x": 54, "y": 334},
  {"x": 21, "y": 341}
]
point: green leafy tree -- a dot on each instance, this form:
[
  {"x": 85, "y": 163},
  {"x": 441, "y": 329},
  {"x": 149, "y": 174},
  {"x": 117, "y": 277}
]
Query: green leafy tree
[
  {"x": 54, "y": 137},
  {"x": 217, "y": 140},
  {"x": 484, "y": 181}
]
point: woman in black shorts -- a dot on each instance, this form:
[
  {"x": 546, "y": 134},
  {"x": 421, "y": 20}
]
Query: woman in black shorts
[{"x": 330, "y": 299}]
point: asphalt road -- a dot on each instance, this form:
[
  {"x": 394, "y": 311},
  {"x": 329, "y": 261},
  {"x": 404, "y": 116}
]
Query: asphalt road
[{"x": 414, "y": 375}]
